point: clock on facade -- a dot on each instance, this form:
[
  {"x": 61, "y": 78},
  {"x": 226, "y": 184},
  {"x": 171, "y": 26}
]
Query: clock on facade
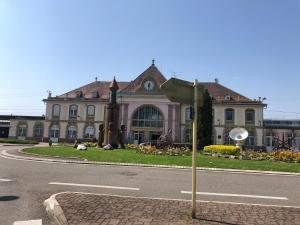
[{"x": 148, "y": 85}]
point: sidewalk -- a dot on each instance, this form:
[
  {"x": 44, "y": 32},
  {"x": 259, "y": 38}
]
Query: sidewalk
[{"x": 91, "y": 209}]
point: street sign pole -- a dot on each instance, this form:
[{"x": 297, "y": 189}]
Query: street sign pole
[
  {"x": 195, "y": 124},
  {"x": 188, "y": 93}
]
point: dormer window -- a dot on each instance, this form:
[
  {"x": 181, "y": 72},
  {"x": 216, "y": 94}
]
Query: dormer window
[
  {"x": 227, "y": 97},
  {"x": 79, "y": 94},
  {"x": 96, "y": 94}
]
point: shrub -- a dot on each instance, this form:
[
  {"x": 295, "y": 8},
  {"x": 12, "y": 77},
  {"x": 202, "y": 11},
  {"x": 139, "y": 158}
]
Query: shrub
[
  {"x": 16, "y": 141},
  {"x": 222, "y": 149}
]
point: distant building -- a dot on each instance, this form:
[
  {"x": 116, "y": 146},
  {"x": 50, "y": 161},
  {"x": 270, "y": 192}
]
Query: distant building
[
  {"x": 23, "y": 127},
  {"x": 146, "y": 112},
  {"x": 282, "y": 134},
  {"x": 4, "y": 126}
]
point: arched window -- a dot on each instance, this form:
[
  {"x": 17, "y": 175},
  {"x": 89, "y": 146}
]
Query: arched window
[
  {"x": 147, "y": 116},
  {"x": 249, "y": 116},
  {"x": 229, "y": 115},
  {"x": 38, "y": 130},
  {"x": 73, "y": 110},
  {"x": 90, "y": 110},
  {"x": 72, "y": 132},
  {"x": 89, "y": 132},
  {"x": 22, "y": 130},
  {"x": 56, "y": 110}
]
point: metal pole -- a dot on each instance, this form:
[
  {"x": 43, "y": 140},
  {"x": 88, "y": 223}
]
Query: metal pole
[{"x": 194, "y": 149}]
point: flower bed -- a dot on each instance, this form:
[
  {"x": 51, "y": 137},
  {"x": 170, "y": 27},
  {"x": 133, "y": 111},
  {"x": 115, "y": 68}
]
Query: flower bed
[
  {"x": 90, "y": 144},
  {"x": 281, "y": 155},
  {"x": 169, "y": 150}
]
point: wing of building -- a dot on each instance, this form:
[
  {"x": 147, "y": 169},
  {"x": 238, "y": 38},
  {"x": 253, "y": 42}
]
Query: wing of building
[{"x": 145, "y": 110}]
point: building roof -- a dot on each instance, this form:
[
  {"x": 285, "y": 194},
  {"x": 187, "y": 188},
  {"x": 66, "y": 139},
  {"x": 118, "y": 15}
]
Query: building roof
[
  {"x": 10, "y": 117},
  {"x": 100, "y": 89},
  {"x": 88, "y": 91},
  {"x": 281, "y": 124},
  {"x": 224, "y": 95},
  {"x": 151, "y": 73}
]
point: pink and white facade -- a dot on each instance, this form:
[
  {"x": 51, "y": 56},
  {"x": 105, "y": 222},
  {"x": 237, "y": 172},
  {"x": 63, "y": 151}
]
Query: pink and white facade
[{"x": 146, "y": 112}]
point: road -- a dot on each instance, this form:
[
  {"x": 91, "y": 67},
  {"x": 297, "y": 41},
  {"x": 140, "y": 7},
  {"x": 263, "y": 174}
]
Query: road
[{"x": 24, "y": 185}]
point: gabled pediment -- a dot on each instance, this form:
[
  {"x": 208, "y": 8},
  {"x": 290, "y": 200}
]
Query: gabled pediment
[{"x": 147, "y": 82}]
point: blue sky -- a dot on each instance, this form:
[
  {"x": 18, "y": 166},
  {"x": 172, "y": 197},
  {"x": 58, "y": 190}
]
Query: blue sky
[{"x": 252, "y": 47}]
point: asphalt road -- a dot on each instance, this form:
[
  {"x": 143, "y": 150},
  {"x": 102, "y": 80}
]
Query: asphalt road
[{"x": 24, "y": 185}]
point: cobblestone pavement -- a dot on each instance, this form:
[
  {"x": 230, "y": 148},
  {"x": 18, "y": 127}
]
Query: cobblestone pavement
[{"x": 89, "y": 209}]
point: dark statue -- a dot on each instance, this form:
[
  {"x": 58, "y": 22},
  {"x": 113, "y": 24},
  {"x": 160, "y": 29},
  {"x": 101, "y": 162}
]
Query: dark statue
[
  {"x": 165, "y": 140},
  {"x": 122, "y": 136},
  {"x": 112, "y": 136},
  {"x": 100, "y": 136}
]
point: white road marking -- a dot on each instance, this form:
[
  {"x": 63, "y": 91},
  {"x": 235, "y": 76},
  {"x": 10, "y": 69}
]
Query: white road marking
[
  {"x": 236, "y": 195},
  {"x": 93, "y": 185},
  {"x": 28, "y": 222},
  {"x": 5, "y": 180}
]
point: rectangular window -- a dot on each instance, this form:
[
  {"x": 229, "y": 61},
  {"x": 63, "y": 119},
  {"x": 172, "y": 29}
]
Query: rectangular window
[
  {"x": 229, "y": 116},
  {"x": 56, "y": 110},
  {"x": 249, "y": 116},
  {"x": 73, "y": 111},
  {"x": 91, "y": 110},
  {"x": 188, "y": 114}
]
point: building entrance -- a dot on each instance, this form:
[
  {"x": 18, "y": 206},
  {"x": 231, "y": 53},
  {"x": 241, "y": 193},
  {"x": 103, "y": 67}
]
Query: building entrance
[
  {"x": 138, "y": 137},
  {"x": 4, "y": 132},
  {"x": 154, "y": 136}
]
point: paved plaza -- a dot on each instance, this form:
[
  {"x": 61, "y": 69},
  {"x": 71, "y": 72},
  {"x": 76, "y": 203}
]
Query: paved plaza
[{"x": 89, "y": 209}]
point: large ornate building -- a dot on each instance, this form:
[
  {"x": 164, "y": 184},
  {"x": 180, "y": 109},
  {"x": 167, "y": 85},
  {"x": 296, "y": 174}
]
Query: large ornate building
[{"x": 144, "y": 109}]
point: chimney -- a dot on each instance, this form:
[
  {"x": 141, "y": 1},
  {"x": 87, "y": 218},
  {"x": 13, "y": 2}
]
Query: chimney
[{"x": 216, "y": 80}]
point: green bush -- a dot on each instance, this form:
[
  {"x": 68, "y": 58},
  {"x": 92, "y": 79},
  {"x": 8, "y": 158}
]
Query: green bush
[
  {"x": 16, "y": 141},
  {"x": 222, "y": 149}
]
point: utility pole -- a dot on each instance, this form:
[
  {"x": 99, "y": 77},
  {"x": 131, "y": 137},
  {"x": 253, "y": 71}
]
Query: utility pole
[{"x": 194, "y": 162}]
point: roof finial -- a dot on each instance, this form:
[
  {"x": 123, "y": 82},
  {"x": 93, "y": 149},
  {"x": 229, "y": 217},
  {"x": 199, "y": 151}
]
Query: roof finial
[
  {"x": 153, "y": 61},
  {"x": 114, "y": 84}
]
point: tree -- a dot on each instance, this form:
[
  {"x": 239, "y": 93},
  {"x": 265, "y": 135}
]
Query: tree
[{"x": 205, "y": 122}]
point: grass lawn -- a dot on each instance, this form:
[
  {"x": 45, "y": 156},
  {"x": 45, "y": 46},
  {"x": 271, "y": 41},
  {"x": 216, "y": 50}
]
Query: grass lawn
[{"x": 130, "y": 156}]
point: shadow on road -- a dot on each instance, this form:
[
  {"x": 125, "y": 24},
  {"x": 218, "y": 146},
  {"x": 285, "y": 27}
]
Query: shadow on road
[
  {"x": 8, "y": 198},
  {"x": 215, "y": 221}
]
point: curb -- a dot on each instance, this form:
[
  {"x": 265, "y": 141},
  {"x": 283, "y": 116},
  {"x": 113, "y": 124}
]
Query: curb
[
  {"x": 54, "y": 211},
  {"x": 85, "y": 162}
]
